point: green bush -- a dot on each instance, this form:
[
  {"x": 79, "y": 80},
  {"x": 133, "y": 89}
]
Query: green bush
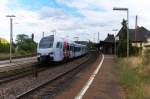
[
  {"x": 21, "y": 52},
  {"x": 134, "y": 51},
  {"x": 122, "y": 50},
  {"x": 25, "y": 44},
  {"x": 5, "y": 48},
  {"x": 146, "y": 58},
  {"x": 122, "y": 43}
]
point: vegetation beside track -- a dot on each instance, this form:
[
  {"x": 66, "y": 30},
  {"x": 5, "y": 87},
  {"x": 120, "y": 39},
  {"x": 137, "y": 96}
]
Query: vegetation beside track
[
  {"x": 23, "y": 46},
  {"x": 5, "y": 56},
  {"x": 134, "y": 75}
]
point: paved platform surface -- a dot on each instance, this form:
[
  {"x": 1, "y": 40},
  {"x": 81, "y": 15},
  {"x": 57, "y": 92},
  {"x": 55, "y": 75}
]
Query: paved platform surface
[{"x": 104, "y": 86}]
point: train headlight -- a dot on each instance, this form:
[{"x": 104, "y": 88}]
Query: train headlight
[
  {"x": 38, "y": 54},
  {"x": 51, "y": 53}
]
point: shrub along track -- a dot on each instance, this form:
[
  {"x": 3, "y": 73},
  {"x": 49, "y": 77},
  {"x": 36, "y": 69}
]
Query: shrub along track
[
  {"x": 50, "y": 88},
  {"x": 18, "y": 87}
]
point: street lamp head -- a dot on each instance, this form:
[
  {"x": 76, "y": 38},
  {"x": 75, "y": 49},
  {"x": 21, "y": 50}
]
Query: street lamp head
[
  {"x": 10, "y": 16},
  {"x": 114, "y": 29},
  {"x": 123, "y": 9}
]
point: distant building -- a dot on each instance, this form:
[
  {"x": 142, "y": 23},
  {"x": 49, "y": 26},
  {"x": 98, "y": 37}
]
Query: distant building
[
  {"x": 3, "y": 41},
  {"x": 139, "y": 37},
  {"x": 108, "y": 45}
]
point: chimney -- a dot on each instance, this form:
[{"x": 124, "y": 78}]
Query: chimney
[{"x": 136, "y": 20}]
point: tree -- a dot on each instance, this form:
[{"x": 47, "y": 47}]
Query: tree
[
  {"x": 21, "y": 38},
  {"x": 4, "y": 46},
  {"x": 32, "y": 36},
  {"x": 25, "y": 44},
  {"x": 122, "y": 44}
]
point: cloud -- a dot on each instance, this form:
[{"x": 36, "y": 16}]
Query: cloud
[
  {"x": 47, "y": 12},
  {"x": 72, "y": 17}
]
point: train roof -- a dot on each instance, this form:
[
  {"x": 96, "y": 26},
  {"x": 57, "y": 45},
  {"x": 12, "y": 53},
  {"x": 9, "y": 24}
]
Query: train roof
[{"x": 64, "y": 39}]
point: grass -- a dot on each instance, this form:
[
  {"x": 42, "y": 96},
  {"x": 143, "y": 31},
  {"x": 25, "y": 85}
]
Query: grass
[
  {"x": 134, "y": 77},
  {"x": 4, "y": 56}
]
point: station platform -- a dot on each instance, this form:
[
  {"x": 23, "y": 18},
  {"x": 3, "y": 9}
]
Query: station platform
[{"x": 103, "y": 86}]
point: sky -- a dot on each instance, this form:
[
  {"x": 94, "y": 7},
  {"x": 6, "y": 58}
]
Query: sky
[{"x": 70, "y": 18}]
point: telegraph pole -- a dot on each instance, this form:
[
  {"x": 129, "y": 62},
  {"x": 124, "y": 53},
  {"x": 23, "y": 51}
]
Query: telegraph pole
[
  {"x": 43, "y": 34},
  {"x": 98, "y": 37},
  {"x": 11, "y": 35},
  {"x": 54, "y": 32},
  {"x": 127, "y": 10},
  {"x": 115, "y": 49}
]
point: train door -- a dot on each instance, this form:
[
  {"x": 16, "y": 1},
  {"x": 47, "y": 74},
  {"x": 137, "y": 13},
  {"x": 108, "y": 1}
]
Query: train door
[
  {"x": 65, "y": 50},
  {"x": 58, "y": 51},
  {"x": 61, "y": 51},
  {"x": 72, "y": 50}
]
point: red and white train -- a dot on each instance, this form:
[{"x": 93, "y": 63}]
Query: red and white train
[{"x": 53, "y": 48}]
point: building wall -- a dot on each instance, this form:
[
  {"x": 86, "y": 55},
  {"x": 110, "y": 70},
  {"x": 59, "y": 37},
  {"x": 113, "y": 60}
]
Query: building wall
[
  {"x": 137, "y": 44},
  {"x": 146, "y": 44},
  {"x": 143, "y": 45},
  {"x": 108, "y": 49}
]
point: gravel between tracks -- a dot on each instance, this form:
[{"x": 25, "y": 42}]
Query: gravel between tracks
[{"x": 16, "y": 87}]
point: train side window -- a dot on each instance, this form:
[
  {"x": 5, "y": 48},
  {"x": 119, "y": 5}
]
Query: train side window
[
  {"x": 78, "y": 49},
  {"x": 68, "y": 47},
  {"x": 71, "y": 48},
  {"x": 75, "y": 49},
  {"x": 58, "y": 45}
]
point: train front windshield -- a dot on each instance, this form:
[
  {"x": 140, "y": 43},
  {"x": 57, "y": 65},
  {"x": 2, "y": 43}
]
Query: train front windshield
[{"x": 46, "y": 42}]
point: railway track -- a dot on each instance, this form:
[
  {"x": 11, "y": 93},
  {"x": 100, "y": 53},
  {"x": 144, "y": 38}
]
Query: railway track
[
  {"x": 21, "y": 74},
  {"x": 51, "y": 86},
  {"x": 8, "y": 90},
  {"x": 73, "y": 70},
  {"x": 34, "y": 69}
]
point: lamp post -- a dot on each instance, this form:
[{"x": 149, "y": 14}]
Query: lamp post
[
  {"x": 98, "y": 37},
  {"x": 43, "y": 34},
  {"x": 127, "y": 10},
  {"x": 54, "y": 32},
  {"x": 76, "y": 38},
  {"x": 115, "y": 50},
  {"x": 11, "y": 35}
]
